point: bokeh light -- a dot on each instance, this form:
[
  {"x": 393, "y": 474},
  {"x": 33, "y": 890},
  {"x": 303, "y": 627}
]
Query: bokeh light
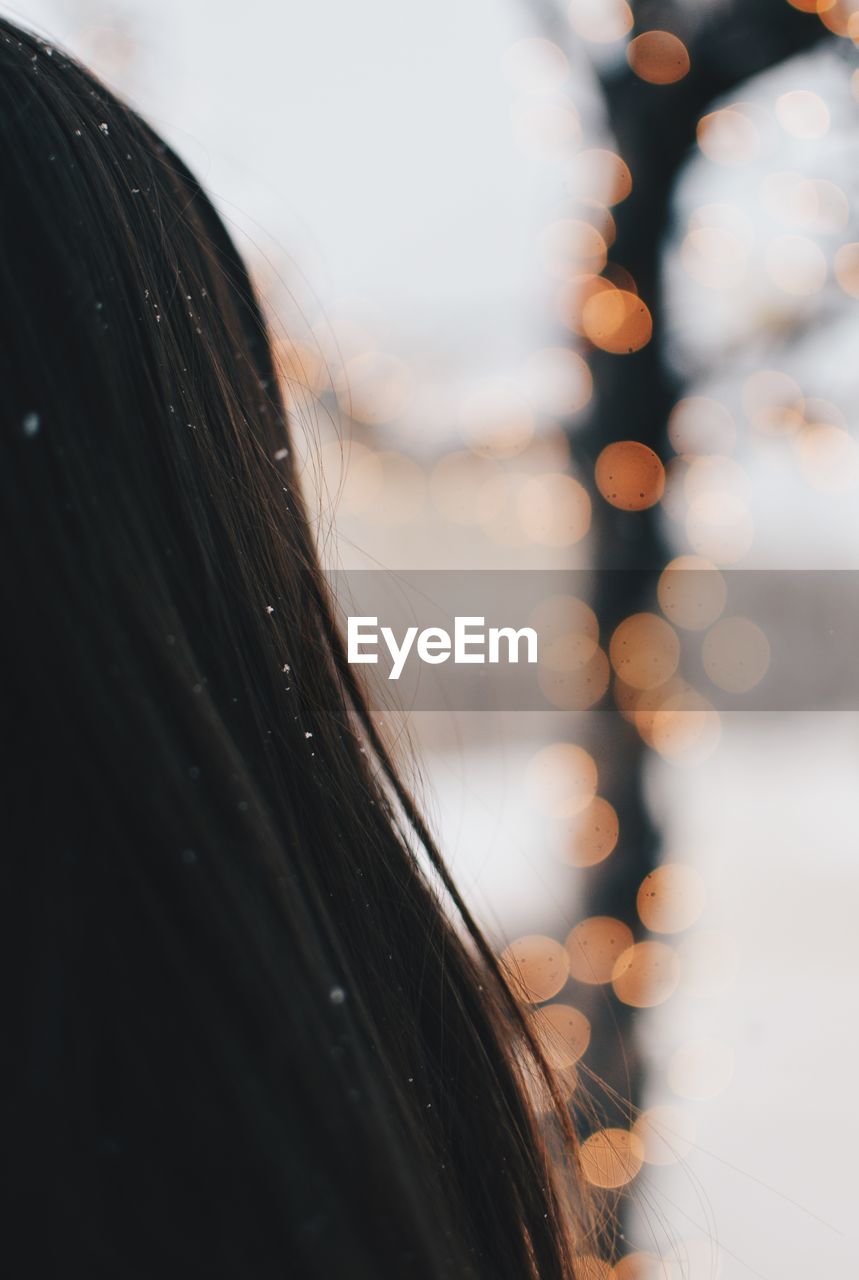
[
  {"x": 629, "y": 475},
  {"x": 698, "y": 424},
  {"x": 715, "y": 257},
  {"x": 773, "y": 402},
  {"x": 644, "y": 651},
  {"x": 670, "y": 898},
  {"x": 645, "y": 974},
  {"x": 838, "y": 16},
  {"x": 715, "y": 473},
  {"x": 590, "y": 1267},
  {"x": 847, "y": 268},
  {"x": 536, "y": 967},
  {"x": 571, "y": 247},
  {"x": 677, "y": 721},
  {"x": 554, "y": 509},
  {"x": 829, "y": 458},
  {"x": 594, "y": 946},
  {"x": 719, "y": 527},
  {"x": 563, "y": 1033},
  {"x": 559, "y": 381},
  {"x": 643, "y": 1266},
  {"x": 535, "y": 65},
  {"x": 735, "y": 654},
  {"x": 611, "y": 1157},
  {"x": 574, "y": 296},
  {"x": 595, "y": 834},
  {"x": 604, "y": 173},
  {"x": 496, "y": 420},
  {"x": 802, "y": 114},
  {"x": 600, "y": 21},
  {"x": 728, "y": 137},
  {"x": 691, "y": 592},
  {"x": 569, "y": 622},
  {"x": 616, "y": 321},
  {"x": 562, "y": 779},
  {"x": 658, "y": 57},
  {"x": 568, "y": 684}
]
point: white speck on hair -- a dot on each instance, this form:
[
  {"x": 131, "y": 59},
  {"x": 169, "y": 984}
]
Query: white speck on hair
[
  {"x": 77, "y": 133},
  {"x": 286, "y": 668},
  {"x": 281, "y": 454},
  {"x": 336, "y": 995},
  {"x": 30, "y": 424},
  {"x": 135, "y": 191},
  {"x": 307, "y": 733},
  {"x": 103, "y": 128},
  {"x": 269, "y": 608}
]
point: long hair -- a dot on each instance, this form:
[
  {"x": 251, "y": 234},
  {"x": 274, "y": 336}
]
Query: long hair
[{"x": 244, "y": 1035}]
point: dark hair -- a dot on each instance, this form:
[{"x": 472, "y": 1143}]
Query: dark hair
[{"x": 243, "y": 1036}]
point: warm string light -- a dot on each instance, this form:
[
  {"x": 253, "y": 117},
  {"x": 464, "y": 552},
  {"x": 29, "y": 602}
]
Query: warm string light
[
  {"x": 600, "y": 21},
  {"x": 487, "y": 482},
  {"x": 611, "y": 1158},
  {"x": 599, "y": 302},
  {"x": 573, "y": 672},
  {"x": 659, "y": 57},
  {"x": 841, "y": 17},
  {"x": 629, "y": 475}
]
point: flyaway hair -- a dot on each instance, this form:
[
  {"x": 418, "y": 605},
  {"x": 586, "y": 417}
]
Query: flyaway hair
[{"x": 243, "y": 1034}]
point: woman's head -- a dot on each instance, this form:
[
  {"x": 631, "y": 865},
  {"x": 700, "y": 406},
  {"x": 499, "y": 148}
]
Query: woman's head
[{"x": 245, "y": 1038}]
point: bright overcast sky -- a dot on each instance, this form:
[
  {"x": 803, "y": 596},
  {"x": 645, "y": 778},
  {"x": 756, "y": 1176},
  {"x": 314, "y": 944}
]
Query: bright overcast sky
[{"x": 373, "y": 143}]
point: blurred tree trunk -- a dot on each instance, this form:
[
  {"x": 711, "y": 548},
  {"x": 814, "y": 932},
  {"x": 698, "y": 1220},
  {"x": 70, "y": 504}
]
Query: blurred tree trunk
[{"x": 654, "y": 128}]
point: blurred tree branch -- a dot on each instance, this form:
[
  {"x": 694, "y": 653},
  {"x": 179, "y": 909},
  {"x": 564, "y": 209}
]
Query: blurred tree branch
[{"x": 654, "y": 129}]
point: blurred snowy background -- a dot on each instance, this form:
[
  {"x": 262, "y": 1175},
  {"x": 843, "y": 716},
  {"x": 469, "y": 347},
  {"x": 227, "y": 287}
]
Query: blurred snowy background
[{"x": 426, "y": 195}]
